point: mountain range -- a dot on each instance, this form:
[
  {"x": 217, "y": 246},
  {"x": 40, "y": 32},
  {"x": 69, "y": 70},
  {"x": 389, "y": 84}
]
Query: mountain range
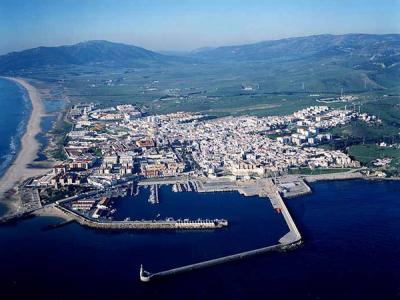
[
  {"x": 362, "y": 45},
  {"x": 374, "y": 57}
]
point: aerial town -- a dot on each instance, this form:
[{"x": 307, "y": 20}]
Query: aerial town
[
  {"x": 108, "y": 144},
  {"x": 108, "y": 147}
]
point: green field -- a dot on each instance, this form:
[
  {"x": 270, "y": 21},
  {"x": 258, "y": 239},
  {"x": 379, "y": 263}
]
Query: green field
[
  {"x": 368, "y": 153},
  {"x": 279, "y": 86}
]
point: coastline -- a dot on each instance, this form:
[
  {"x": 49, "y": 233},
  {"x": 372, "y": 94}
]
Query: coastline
[{"x": 19, "y": 169}]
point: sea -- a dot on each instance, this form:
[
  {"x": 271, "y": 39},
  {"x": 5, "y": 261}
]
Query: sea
[
  {"x": 15, "y": 109},
  {"x": 351, "y": 247}
]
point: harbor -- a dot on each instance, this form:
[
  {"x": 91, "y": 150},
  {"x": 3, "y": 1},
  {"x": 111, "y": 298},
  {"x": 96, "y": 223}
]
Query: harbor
[
  {"x": 289, "y": 240},
  {"x": 96, "y": 210},
  {"x": 252, "y": 224}
]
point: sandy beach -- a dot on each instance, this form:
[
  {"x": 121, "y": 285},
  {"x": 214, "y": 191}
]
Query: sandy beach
[{"x": 19, "y": 169}]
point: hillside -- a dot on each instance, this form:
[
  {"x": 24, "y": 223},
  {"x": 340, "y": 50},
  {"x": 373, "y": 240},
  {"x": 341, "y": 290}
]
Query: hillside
[
  {"x": 376, "y": 58},
  {"x": 85, "y": 53},
  {"x": 259, "y": 75},
  {"x": 370, "y": 46}
]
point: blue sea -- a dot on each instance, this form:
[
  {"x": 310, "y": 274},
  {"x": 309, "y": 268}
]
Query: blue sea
[
  {"x": 15, "y": 109},
  {"x": 351, "y": 249},
  {"x": 14, "y": 112}
]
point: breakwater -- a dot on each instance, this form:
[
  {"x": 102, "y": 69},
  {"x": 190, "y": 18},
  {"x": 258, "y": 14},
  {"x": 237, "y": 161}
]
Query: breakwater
[
  {"x": 146, "y": 276},
  {"x": 289, "y": 240},
  {"x": 169, "y": 223}
]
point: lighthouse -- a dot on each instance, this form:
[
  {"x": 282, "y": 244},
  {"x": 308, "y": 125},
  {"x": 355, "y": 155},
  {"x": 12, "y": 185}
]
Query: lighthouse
[{"x": 144, "y": 275}]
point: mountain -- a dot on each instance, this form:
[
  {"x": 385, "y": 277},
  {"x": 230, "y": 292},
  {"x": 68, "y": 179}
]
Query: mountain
[
  {"x": 85, "y": 53},
  {"x": 325, "y": 45},
  {"x": 321, "y": 62},
  {"x": 355, "y": 62}
]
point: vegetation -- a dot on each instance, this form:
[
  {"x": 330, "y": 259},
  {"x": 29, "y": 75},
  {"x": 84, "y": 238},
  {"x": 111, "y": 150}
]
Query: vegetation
[
  {"x": 49, "y": 195},
  {"x": 60, "y": 132},
  {"x": 366, "y": 154}
]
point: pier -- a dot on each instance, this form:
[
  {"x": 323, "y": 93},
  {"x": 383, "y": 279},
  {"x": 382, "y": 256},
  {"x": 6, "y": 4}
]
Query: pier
[
  {"x": 153, "y": 198},
  {"x": 168, "y": 224},
  {"x": 154, "y": 224},
  {"x": 289, "y": 240}
]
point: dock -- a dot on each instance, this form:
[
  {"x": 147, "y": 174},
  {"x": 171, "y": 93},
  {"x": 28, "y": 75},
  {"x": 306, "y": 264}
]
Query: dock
[{"x": 153, "y": 198}]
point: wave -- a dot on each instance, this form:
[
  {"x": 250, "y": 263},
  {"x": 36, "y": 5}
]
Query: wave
[
  {"x": 8, "y": 158},
  {"x": 15, "y": 140}
]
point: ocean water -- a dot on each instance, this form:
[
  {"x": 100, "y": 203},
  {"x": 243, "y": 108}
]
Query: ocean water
[
  {"x": 351, "y": 250},
  {"x": 14, "y": 113}
]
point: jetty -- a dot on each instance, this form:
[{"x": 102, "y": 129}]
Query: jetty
[
  {"x": 167, "y": 224},
  {"x": 289, "y": 240},
  {"x": 153, "y": 198}
]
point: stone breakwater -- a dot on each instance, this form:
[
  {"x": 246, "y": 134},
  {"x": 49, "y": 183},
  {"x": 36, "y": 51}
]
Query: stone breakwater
[{"x": 168, "y": 224}]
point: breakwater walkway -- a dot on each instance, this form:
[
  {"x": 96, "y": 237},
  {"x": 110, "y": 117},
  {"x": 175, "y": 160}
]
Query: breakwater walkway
[{"x": 289, "y": 240}]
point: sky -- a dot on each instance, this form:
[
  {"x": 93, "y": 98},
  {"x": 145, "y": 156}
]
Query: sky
[{"x": 183, "y": 25}]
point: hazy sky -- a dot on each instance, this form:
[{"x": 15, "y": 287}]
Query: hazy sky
[{"x": 185, "y": 24}]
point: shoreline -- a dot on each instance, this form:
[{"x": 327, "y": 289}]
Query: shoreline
[{"x": 19, "y": 169}]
